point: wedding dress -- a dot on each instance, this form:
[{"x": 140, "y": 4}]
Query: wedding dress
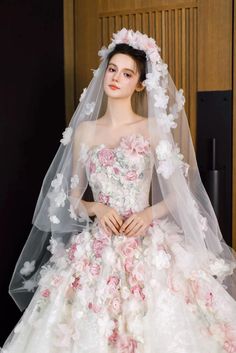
[{"x": 118, "y": 294}]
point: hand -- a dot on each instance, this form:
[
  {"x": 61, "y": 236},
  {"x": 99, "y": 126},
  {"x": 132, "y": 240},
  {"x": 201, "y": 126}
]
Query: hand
[
  {"x": 110, "y": 220},
  {"x": 137, "y": 223}
]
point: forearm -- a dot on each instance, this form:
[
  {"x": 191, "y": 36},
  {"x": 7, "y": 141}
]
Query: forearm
[
  {"x": 158, "y": 210},
  {"x": 89, "y": 206}
]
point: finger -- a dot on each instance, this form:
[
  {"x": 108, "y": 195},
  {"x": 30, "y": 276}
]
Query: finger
[
  {"x": 104, "y": 227},
  {"x": 126, "y": 223},
  {"x": 115, "y": 221},
  {"x": 140, "y": 232},
  {"x": 111, "y": 226},
  {"x": 131, "y": 225},
  {"x": 134, "y": 230}
]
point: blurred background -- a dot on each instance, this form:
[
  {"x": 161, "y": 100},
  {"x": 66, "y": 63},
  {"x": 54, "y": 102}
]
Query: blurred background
[{"x": 48, "y": 51}]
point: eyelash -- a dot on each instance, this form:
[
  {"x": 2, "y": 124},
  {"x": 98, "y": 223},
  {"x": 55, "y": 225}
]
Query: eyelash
[{"x": 111, "y": 68}]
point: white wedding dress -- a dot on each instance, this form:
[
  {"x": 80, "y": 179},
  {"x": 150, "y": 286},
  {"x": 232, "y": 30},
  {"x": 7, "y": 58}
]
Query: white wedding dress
[{"x": 122, "y": 294}]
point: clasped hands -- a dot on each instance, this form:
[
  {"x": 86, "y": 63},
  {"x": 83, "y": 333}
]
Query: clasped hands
[{"x": 112, "y": 222}]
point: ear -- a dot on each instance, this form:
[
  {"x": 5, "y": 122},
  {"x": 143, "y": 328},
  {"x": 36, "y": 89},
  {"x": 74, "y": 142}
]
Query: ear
[{"x": 140, "y": 87}]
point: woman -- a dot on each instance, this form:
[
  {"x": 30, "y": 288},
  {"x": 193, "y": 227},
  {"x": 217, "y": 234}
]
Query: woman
[{"x": 143, "y": 266}]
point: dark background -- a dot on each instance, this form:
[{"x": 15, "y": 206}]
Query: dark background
[{"x": 32, "y": 118}]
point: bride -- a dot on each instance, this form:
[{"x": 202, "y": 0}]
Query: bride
[{"x": 125, "y": 254}]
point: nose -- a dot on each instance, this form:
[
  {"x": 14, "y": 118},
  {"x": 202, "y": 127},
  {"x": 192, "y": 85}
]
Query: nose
[{"x": 115, "y": 76}]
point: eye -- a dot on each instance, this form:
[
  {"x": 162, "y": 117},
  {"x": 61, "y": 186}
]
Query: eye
[
  {"x": 127, "y": 75},
  {"x": 111, "y": 69}
]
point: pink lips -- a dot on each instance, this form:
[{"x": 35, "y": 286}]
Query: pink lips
[{"x": 113, "y": 87}]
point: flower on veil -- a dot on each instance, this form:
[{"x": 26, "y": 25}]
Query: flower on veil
[
  {"x": 89, "y": 108},
  {"x": 57, "y": 181},
  {"x": 169, "y": 158},
  {"x": 60, "y": 198},
  {"x": 66, "y": 136},
  {"x": 161, "y": 98},
  {"x": 180, "y": 99},
  {"x": 167, "y": 121},
  {"x": 83, "y": 94},
  {"x": 74, "y": 181},
  {"x": 54, "y": 219},
  {"x": 27, "y": 268},
  {"x": 219, "y": 267}
]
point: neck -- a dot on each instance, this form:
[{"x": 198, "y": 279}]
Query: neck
[{"x": 119, "y": 112}]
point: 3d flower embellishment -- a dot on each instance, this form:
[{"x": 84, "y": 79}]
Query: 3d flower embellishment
[
  {"x": 83, "y": 94},
  {"x": 161, "y": 98},
  {"x": 66, "y": 136},
  {"x": 219, "y": 268},
  {"x": 170, "y": 159},
  {"x": 54, "y": 219},
  {"x": 166, "y": 121},
  {"x": 28, "y": 268},
  {"x": 180, "y": 99},
  {"x": 74, "y": 181},
  {"x": 89, "y": 108},
  {"x": 137, "y": 40},
  {"x": 56, "y": 183}
]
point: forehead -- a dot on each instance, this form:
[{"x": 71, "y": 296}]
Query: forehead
[{"x": 123, "y": 61}]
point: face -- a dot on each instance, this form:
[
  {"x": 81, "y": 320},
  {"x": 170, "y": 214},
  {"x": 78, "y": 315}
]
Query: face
[{"x": 121, "y": 77}]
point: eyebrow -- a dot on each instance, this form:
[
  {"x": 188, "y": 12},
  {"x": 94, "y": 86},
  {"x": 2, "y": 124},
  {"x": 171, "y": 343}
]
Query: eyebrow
[{"x": 124, "y": 68}]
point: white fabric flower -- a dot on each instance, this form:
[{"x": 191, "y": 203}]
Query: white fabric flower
[
  {"x": 161, "y": 99},
  {"x": 72, "y": 213},
  {"x": 60, "y": 198},
  {"x": 74, "y": 181},
  {"x": 83, "y": 94},
  {"x": 29, "y": 285},
  {"x": 57, "y": 182},
  {"x": 54, "y": 219},
  {"x": 89, "y": 108},
  {"x": 163, "y": 150},
  {"x": 219, "y": 267},
  {"x": 103, "y": 52},
  {"x": 27, "y": 268},
  {"x": 161, "y": 260},
  {"x": 169, "y": 158},
  {"x": 166, "y": 121},
  {"x": 106, "y": 325},
  {"x": 66, "y": 136},
  {"x": 180, "y": 99}
]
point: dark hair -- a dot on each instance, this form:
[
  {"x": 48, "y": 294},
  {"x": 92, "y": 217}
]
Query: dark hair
[{"x": 139, "y": 56}]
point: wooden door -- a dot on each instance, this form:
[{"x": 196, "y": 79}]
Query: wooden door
[{"x": 195, "y": 37}]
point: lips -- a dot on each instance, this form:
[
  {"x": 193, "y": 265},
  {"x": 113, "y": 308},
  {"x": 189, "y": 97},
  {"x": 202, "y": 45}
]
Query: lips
[{"x": 113, "y": 87}]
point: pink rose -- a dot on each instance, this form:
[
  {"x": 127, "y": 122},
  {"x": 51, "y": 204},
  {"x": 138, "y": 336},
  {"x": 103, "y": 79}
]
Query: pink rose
[
  {"x": 113, "y": 338},
  {"x": 126, "y": 345},
  {"x": 131, "y": 175},
  {"x": 106, "y": 157},
  {"x": 135, "y": 144},
  {"x": 129, "y": 246},
  {"x": 76, "y": 283},
  {"x": 116, "y": 170},
  {"x": 98, "y": 246},
  {"x": 92, "y": 167},
  {"x": 103, "y": 198},
  {"x": 113, "y": 282},
  {"x": 138, "y": 292},
  {"x": 95, "y": 269},
  {"x": 72, "y": 250},
  {"x": 96, "y": 308},
  {"x": 45, "y": 293},
  {"x": 115, "y": 305},
  {"x": 128, "y": 264}
]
